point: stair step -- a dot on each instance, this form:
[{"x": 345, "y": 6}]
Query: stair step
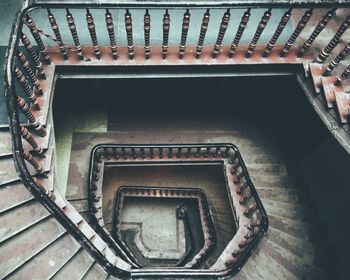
[
  {"x": 75, "y": 267},
  {"x": 15, "y": 194},
  {"x": 81, "y": 205},
  {"x": 19, "y": 219},
  {"x": 5, "y": 143},
  {"x": 29, "y": 243},
  {"x": 287, "y": 210},
  {"x": 47, "y": 262},
  {"x": 96, "y": 272},
  {"x": 279, "y": 194}
]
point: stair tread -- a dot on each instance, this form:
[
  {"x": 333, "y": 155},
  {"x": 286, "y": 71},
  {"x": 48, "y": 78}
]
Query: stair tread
[
  {"x": 75, "y": 267},
  {"x": 96, "y": 272},
  {"x": 18, "y": 219},
  {"x": 15, "y": 252},
  {"x": 8, "y": 171},
  {"x": 15, "y": 194},
  {"x": 49, "y": 260},
  {"x": 5, "y": 143}
]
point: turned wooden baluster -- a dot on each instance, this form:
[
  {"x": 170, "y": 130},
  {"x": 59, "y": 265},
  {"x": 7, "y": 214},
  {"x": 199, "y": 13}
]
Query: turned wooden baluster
[
  {"x": 56, "y": 31},
  {"x": 335, "y": 62},
  {"x": 33, "y": 29},
  {"x": 28, "y": 157},
  {"x": 282, "y": 24},
  {"x": 110, "y": 29},
  {"x": 37, "y": 126},
  {"x": 222, "y": 30},
  {"x": 73, "y": 31},
  {"x": 262, "y": 24},
  {"x": 92, "y": 30},
  {"x": 166, "y": 28},
  {"x": 29, "y": 138},
  {"x": 334, "y": 42},
  {"x": 29, "y": 47},
  {"x": 184, "y": 33},
  {"x": 203, "y": 32},
  {"x": 321, "y": 25},
  {"x": 128, "y": 27},
  {"x": 343, "y": 76},
  {"x": 147, "y": 31},
  {"x": 240, "y": 30},
  {"x": 301, "y": 25},
  {"x": 31, "y": 74},
  {"x": 26, "y": 87}
]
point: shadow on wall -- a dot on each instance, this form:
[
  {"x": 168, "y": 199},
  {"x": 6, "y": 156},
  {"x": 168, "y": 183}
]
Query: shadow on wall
[{"x": 326, "y": 171}]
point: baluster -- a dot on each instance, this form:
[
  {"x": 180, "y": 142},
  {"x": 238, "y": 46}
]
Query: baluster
[
  {"x": 301, "y": 25},
  {"x": 73, "y": 30},
  {"x": 198, "y": 152},
  {"x": 151, "y": 152},
  {"x": 262, "y": 24},
  {"x": 343, "y": 76},
  {"x": 125, "y": 154},
  {"x": 110, "y": 29},
  {"x": 249, "y": 210},
  {"x": 32, "y": 76},
  {"x": 160, "y": 152},
  {"x": 222, "y": 30},
  {"x": 179, "y": 152},
  {"x": 33, "y": 29},
  {"x": 142, "y": 150},
  {"x": 29, "y": 47},
  {"x": 217, "y": 151},
  {"x": 147, "y": 31},
  {"x": 28, "y": 157},
  {"x": 188, "y": 154},
  {"x": 321, "y": 25},
  {"x": 207, "y": 151},
  {"x": 240, "y": 30},
  {"x": 170, "y": 152},
  {"x": 203, "y": 32},
  {"x": 166, "y": 28},
  {"x": 254, "y": 224},
  {"x": 29, "y": 138},
  {"x": 56, "y": 31},
  {"x": 335, "y": 62},
  {"x": 334, "y": 42},
  {"x": 26, "y": 87},
  {"x": 133, "y": 153},
  {"x": 128, "y": 27},
  {"x": 92, "y": 30},
  {"x": 37, "y": 126},
  {"x": 282, "y": 24},
  {"x": 184, "y": 32}
]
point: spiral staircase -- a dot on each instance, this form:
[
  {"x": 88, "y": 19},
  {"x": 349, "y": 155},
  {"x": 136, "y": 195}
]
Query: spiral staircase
[{"x": 204, "y": 123}]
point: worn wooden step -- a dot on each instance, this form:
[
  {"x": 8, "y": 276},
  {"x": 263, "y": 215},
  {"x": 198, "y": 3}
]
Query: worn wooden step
[
  {"x": 50, "y": 260},
  {"x": 27, "y": 245},
  {"x": 75, "y": 267},
  {"x": 96, "y": 272},
  {"x": 19, "y": 219},
  {"x": 15, "y": 194}
]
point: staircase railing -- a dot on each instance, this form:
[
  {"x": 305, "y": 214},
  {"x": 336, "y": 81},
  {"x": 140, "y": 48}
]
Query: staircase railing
[{"x": 28, "y": 64}]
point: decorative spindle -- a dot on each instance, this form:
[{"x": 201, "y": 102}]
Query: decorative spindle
[
  {"x": 28, "y": 157},
  {"x": 147, "y": 31},
  {"x": 160, "y": 152},
  {"x": 92, "y": 30},
  {"x": 179, "y": 152},
  {"x": 29, "y": 138},
  {"x": 207, "y": 151},
  {"x": 73, "y": 31},
  {"x": 301, "y": 24},
  {"x": 335, "y": 62},
  {"x": 249, "y": 210},
  {"x": 34, "y": 30},
  {"x": 142, "y": 150},
  {"x": 37, "y": 126},
  {"x": 125, "y": 154},
  {"x": 29, "y": 47},
  {"x": 240, "y": 30},
  {"x": 217, "y": 151},
  {"x": 166, "y": 28},
  {"x": 184, "y": 32},
  {"x": 32, "y": 76},
  {"x": 111, "y": 34},
  {"x": 321, "y": 25},
  {"x": 26, "y": 87},
  {"x": 343, "y": 76},
  {"x": 223, "y": 27},
  {"x": 262, "y": 24},
  {"x": 151, "y": 152},
  {"x": 189, "y": 150},
  {"x": 128, "y": 27},
  {"x": 282, "y": 24},
  {"x": 203, "y": 32},
  {"x": 56, "y": 31},
  {"x": 133, "y": 153},
  {"x": 254, "y": 224},
  {"x": 170, "y": 152},
  {"x": 334, "y": 42}
]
